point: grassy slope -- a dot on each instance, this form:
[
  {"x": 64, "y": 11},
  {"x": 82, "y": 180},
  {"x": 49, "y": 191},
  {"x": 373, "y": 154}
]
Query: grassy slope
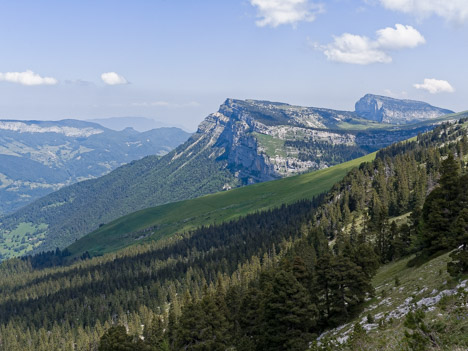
[
  {"x": 415, "y": 284},
  {"x": 216, "y": 208}
]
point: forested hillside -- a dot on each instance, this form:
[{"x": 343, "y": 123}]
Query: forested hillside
[
  {"x": 156, "y": 223},
  {"x": 273, "y": 280}
]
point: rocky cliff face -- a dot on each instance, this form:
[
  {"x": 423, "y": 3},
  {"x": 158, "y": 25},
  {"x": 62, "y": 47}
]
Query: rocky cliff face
[
  {"x": 261, "y": 140},
  {"x": 388, "y": 110}
]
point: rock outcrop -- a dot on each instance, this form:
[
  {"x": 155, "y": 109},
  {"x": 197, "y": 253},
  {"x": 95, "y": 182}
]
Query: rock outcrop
[
  {"x": 394, "y": 111},
  {"x": 262, "y": 140}
]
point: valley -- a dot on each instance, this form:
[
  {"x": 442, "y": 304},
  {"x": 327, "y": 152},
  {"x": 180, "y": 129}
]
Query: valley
[{"x": 40, "y": 157}]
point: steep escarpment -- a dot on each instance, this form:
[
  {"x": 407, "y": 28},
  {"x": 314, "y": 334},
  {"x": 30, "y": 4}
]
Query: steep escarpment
[
  {"x": 262, "y": 140},
  {"x": 394, "y": 111}
]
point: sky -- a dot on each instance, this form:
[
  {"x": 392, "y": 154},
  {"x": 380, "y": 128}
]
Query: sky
[{"x": 177, "y": 61}]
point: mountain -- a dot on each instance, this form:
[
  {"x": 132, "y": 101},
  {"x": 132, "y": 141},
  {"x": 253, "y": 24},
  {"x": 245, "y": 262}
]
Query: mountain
[
  {"x": 39, "y": 157},
  {"x": 140, "y": 124},
  {"x": 395, "y": 111},
  {"x": 244, "y": 142},
  {"x": 347, "y": 270}
]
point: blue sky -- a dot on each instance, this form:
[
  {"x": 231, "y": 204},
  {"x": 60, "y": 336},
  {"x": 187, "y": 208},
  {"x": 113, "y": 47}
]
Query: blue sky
[{"x": 176, "y": 61}]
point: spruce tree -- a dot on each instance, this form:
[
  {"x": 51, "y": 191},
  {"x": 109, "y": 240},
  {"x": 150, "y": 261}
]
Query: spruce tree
[
  {"x": 116, "y": 339},
  {"x": 290, "y": 315}
]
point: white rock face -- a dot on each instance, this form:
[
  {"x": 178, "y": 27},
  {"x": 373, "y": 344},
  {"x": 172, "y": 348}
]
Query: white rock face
[
  {"x": 394, "y": 111},
  {"x": 21, "y": 127},
  {"x": 261, "y": 140}
]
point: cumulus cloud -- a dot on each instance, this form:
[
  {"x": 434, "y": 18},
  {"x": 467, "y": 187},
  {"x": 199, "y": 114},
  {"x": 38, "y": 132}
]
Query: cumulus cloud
[
  {"x": 435, "y": 86},
  {"x": 274, "y": 13},
  {"x": 112, "y": 78},
  {"x": 356, "y": 49},
  {"x": 400, "y": 37},
  {"x": 451, "y": 10},
  {"x": 361, "y": 50},
  {"x": 27, "y": 78}
]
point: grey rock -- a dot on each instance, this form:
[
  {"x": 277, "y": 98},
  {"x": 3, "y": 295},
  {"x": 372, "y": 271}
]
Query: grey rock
[{"x": 394, "y": 111}]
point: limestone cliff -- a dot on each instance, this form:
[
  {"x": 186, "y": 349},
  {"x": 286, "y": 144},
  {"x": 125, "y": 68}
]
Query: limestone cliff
[{"x": 394, "y": 111}]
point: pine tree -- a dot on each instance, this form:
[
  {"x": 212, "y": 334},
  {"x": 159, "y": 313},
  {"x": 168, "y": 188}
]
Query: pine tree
[
  {"x": 324, "y": 272},
  {"x": 439, "y": 211},
  {"x": 116, "y": 339},
  {"x": 459, "y": 263},
  {"x": 251, "y": 318},
  {"x": 155, "y": 337},
  {"x": 348, "y": 285},
  {"x": 290, "y": 315}
]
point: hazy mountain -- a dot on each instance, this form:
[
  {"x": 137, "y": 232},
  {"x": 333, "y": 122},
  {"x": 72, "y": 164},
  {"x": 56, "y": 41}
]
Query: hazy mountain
[
  {"x": 244, "y": 142},
  {"x": 141, "y": 124},
  {"x": 38, "y": 157}
]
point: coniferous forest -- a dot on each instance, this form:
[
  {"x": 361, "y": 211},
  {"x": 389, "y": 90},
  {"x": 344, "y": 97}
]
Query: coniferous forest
[{"x": 273, "y": 280}]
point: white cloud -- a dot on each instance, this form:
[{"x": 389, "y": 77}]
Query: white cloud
[
  {"x": 361, "y": 50},
  {"x": 277, "y": 12},
  {"x": 435, "y": 86},
  {"x": 400, "y": 37},
  {"x": 356, "y": 49},
  {"x": 112, "y": 78},
  {"x": 451, "y": 10},
  {"x": 27, "y": 78}
]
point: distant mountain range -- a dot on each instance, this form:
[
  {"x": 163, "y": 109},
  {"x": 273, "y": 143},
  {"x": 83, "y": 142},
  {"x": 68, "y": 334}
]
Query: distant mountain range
[
  {"x": 140, "y": 124},
  {"x": 39, "y": 157},
  {"x": 245, "y": 142}
]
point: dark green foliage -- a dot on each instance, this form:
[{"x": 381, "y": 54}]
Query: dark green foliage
[
  {"x": 459, "y": 264},
  {"x": 203, "y": 325},
  {"x": 288, "y": 312},
  {"x": 322, "y": 152},
  {"x": 116, "y": 339},
  {"x": 204, "y": 252},
  {"x": 445, "y": 218},
  {"x": 155, "y": 338}
]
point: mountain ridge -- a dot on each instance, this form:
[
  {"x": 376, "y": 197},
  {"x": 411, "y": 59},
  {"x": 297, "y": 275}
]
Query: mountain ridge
[{"x": 245, "y": 142}]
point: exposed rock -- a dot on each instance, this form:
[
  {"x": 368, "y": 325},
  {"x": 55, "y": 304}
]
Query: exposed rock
[
  {"x": 394, "y": 111},
  {"x": 262, "y": 140}
]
